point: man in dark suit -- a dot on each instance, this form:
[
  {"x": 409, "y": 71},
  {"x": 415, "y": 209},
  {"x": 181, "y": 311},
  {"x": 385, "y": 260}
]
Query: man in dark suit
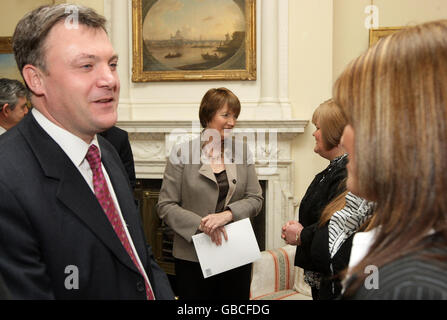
[
  {"x": 119, "y": 138},
  {"x": 69, "y": 228}
]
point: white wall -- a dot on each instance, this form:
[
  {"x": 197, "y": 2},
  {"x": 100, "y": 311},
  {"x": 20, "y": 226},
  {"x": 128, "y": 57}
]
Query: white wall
[
  {"x": 12, "y": 11},
  {"x": 310, "y": 79},
  {"x": 351, "y": 38},
  {"x": 410, "y": 12}
]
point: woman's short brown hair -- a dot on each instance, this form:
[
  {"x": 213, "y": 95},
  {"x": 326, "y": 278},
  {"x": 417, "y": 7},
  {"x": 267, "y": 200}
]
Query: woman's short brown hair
[
  {"x": 213, "y": 100},
  {"x": 331, "y": 121}
]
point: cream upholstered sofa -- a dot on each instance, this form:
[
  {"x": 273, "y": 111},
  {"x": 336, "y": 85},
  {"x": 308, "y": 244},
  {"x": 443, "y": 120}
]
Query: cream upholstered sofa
[{"x": 274, "y": 277}]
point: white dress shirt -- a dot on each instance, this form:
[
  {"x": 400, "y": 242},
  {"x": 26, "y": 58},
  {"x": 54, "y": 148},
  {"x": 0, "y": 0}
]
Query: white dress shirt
[
  {"x": 2, "y": 130},
  {"x": 76, "y": 149}
]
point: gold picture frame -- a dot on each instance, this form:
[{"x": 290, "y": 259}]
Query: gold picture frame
[
  {"x": 5, "y": 45},
  {"x": 8, "y": 66},
  {"x": 377, "y": 34},
  {"x": 160, "y": 54}
]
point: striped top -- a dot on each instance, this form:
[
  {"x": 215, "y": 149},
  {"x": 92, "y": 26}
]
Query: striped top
[{"x": 347, "y": 221}]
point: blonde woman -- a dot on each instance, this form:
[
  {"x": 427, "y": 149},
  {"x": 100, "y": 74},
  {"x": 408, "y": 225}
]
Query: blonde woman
[
  {"x": 395, "y": 100},
  {"x": 328, "y": 184}
]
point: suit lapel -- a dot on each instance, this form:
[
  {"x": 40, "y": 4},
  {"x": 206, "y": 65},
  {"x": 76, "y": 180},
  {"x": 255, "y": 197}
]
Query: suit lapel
[
  {"x": 73, "y": 190},
  {"x": 232, "y": 180},
  {"x": 230, "y": 167},
  {"x": 206, "y": 171},
  {"x": 84, "y": 204}
]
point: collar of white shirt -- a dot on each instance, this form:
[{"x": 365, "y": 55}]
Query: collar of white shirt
[
  {"x": 2, "y": 130},
  {"x": 72, "y": 145}
]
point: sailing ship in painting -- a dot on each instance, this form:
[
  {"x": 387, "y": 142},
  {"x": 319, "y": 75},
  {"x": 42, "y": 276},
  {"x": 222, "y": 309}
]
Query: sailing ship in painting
[
  {"x": 171, "y": 55},
  {"x": 207, "y": 56}
]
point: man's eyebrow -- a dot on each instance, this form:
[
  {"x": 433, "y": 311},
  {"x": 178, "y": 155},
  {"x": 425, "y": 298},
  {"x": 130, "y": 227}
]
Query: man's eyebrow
[
  {"x": 85, "y": 56},
  {"x": 92, "y": 56}
]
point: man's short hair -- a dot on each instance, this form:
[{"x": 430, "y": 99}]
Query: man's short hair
[
  {"x": 28, "y": 41},
  {"x": 10, "y": 92}
]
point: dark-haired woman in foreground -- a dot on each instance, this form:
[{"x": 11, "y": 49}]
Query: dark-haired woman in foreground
[{"x": 395, "y": 99}]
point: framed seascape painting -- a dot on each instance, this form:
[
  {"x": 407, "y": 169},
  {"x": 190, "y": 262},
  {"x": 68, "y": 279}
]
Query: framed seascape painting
[
  {"x": 184, "y": 40},
  {"x": 8, "y": 67}
]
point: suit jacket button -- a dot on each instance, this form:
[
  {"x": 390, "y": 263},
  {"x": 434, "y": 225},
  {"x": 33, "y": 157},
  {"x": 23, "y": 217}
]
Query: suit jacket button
[
  {"x": 234, "y": 181},
  {"x": 140, "y": 286}
]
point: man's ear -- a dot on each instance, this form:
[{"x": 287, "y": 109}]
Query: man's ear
[
  {"x": 5, "y": 110},
  {"x": 34, "y": 79}
]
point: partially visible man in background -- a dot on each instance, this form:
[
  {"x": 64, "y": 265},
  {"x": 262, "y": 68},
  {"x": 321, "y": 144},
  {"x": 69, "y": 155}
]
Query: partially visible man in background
[
  {"x": 119, "y": 138},
  {"x": 12, "y": 103}
]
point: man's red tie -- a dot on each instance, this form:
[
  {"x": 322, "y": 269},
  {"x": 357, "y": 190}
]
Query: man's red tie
[{"x": 105, "y": 199}]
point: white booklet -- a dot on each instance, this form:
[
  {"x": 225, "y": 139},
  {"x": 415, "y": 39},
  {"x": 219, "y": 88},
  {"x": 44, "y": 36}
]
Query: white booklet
[{"x": 240, "y": 249}]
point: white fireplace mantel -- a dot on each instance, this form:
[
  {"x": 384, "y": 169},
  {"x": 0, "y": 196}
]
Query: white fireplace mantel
[{"x": 166, "y": 126}]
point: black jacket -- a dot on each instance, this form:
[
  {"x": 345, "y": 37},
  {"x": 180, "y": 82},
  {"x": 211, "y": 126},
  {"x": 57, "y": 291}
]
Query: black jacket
[
  {"x": 330, "y": 285},
  {"x": 120, "y": 140},
  {"x": 323, "y": 189}
]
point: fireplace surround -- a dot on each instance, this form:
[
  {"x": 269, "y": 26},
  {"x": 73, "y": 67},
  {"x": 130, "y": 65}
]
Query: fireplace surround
[{"x": 152, "y": 141}]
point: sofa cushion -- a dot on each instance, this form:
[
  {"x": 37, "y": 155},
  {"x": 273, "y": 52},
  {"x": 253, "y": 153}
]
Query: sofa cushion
[
  {"x": 283, "y": 295},
  {"x": 299, "y": 284},
  {"x": 272, "y": 272}
]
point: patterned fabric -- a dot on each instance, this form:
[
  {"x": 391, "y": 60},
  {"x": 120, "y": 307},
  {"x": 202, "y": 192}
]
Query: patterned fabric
[
  {"x": 333, "y": 164},
  {"x": 282, "y": 269},
  {"x": 312, "y": 278},
  {"x": 284, "y": 295},
  {"x": 272, "y": 272},
  {"x": 274, "y": 277},
  {"x": 347, "y": 221},
  {"x": 105, "y": 200}
]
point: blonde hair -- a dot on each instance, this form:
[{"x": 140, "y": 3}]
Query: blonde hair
[
  {"x": 338, "y": 203},
  {"x": 395, "y": 98},
  {"x": 331, "y": 122}
]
